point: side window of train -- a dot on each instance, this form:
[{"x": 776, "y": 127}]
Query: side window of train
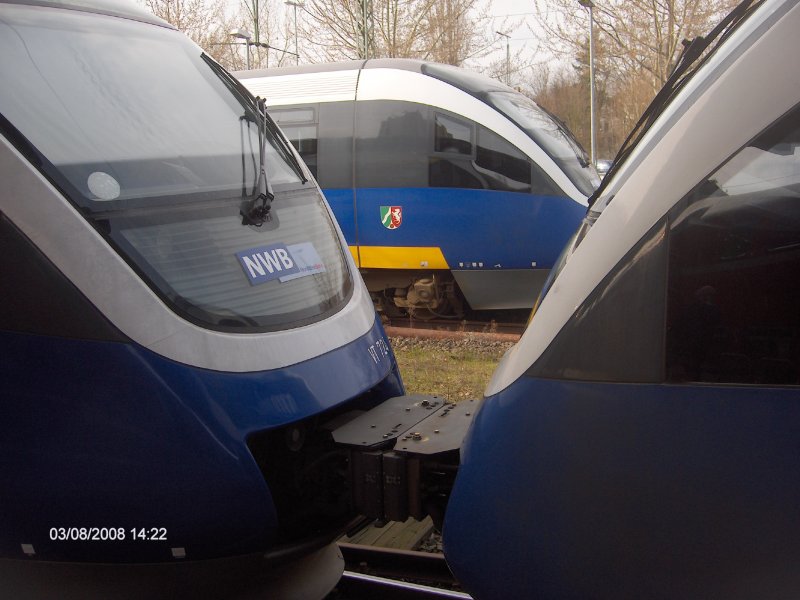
[
  {"x": 734, "y": 261},
  {"x": 451, "y": 165},
  {"x": 453, "y": 135},
  {"x": 501, "y": 164},
  {"x": 300, "y": 126}
]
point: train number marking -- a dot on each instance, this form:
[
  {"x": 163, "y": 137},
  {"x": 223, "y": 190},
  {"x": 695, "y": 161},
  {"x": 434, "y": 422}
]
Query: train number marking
[{"x": 378, "y": 351}]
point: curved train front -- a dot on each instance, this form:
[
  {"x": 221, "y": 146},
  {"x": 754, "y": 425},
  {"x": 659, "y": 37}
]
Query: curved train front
[
  {"x": 641, "y": 440},
  {"x": 181, "y": 321}
]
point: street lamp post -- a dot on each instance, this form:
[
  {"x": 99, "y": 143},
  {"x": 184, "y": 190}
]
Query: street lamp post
[
  {"x": 295, "y": 4},
  {"x": 243, "y": 34},
  {"x": 365, "y": 33},
  {"x": 508, "y": 56},
  {"x": 588, "y": 4}
]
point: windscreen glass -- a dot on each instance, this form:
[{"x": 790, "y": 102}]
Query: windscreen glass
[
  {"x": 734, "y": 258},
  {"x": 542, "y": 127},
  {"x": 156, "y": 149},
  {"x": 552, "y": 136}
]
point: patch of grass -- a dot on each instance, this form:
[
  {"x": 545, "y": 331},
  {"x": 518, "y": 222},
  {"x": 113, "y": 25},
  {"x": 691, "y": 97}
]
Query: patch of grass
[{"x": 454, "y": 369}]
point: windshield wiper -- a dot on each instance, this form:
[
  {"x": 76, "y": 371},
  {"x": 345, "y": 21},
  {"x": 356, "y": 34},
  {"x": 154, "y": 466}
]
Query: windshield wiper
[
  {"x": 694, "y": 54},
  {"x": 255, "y": 210}
]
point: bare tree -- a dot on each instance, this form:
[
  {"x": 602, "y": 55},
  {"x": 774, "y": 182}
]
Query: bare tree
[
  {"x": 637, "y": 43},
  {"x": 269, "y": 38},
  {"x": 453, "y": 35},
  {"x": 209, "y": 25},
  {"x": 642, "y": 36},
  {"x": 441, "y": 30},
  {"x": 201, "y": 20}
]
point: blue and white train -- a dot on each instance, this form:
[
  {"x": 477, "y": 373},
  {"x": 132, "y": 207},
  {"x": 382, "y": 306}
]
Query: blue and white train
[
  {"x": 642, "y": 440},
  {"x": 453, "y": 190},
  {"x": 175, "y": 296}
]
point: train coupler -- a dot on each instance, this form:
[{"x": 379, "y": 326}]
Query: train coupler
[{"x": 404, "y": 456}]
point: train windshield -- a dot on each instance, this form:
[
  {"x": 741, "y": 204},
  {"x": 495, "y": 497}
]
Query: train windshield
[
  {"x": 545, "y": 129},
  {"x": 157, "y": 148},
  {"x": 551, "y": 134}
]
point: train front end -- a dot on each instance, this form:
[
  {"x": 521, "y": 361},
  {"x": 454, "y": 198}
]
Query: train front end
[
  {"x": 641, "y": 440},
  {"x": 182, "y": 325}
]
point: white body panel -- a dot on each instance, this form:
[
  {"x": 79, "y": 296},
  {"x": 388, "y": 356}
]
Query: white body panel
[{"x": 730, "y": 100}]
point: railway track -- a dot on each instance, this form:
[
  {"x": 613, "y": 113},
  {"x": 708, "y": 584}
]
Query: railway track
[
  {"x": 357, "y": 586},
  {"x": 388, "y": 574},
  {"x": 446, "y": 327}
]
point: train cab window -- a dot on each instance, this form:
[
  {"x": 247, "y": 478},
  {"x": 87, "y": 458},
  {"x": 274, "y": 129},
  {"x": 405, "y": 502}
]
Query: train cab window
[
  {"x": 501, "y": 164},
  {"x": 300, "y": 127},
  {"x": 734, "y": 260},
  {"x": 452, "y": 164},
  {"x": 453, "y": 135}
]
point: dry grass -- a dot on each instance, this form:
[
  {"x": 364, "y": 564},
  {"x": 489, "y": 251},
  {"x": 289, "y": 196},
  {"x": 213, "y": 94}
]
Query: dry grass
[{"x": 455, "y": 369}]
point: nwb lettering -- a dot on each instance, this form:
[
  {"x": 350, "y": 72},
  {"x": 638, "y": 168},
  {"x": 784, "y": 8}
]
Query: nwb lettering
[
  {"x": 260, "y": 264},
  {"x": 266, "y": 263}
]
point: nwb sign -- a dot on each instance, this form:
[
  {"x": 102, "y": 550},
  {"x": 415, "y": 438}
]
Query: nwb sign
[
  {"x": 279, "y": 261},
  {"x": 266, "y": 263}
]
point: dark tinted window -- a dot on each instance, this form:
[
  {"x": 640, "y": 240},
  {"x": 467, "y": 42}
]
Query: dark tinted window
[
  {"x": 300, "y": 127},
  {"x": 543, "y": 128},
  {"x": 453, "y": 135},
  {"x": 496, "y": 165},
  {"x": 453, "y": 173},
  {"x": 734, "y": 262},
  {"x": 335, "y": 159},
  {"x": 617, "y": 333},
  {"x": 502, "y": 165},
  {"x": 392, "y": 144}
]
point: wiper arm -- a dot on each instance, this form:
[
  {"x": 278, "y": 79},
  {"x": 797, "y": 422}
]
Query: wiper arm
[{"x": 255, "y": 210}]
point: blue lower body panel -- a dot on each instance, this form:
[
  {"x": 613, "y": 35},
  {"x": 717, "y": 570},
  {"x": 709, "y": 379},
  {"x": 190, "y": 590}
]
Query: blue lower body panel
[
  {"x": 496, "y": 230},
  {"x": 101, "y": 439},
  {"x": 587, "y": 490}
]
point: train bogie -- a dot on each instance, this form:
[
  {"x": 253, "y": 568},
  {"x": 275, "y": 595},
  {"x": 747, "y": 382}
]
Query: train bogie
[{"x": 640, "y": 440}]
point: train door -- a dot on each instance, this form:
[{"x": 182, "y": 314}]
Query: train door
[{"x": 395, "y": 231}]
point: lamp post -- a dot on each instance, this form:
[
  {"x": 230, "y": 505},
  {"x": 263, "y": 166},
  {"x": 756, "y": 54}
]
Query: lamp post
[
  {"x": 243, "y": 34},
  {"x": 508, "y": 56},
  {"x": 588, "y": 4},
  {"x": 365, "y": 31},
  {"x": 295, "y": 4}
]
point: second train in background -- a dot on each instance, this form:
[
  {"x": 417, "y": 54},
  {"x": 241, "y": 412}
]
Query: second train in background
[{"x": 454, "y": 191}]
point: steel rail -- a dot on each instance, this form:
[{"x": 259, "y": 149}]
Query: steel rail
[{"x": 354, "y": 586}]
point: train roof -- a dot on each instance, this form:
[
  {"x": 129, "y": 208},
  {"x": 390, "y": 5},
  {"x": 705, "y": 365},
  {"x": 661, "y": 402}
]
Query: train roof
[
  {"x": 464, "y": 79},
  {"x": 114, "y": 8},
  {"x": 405, "y": 64}
]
